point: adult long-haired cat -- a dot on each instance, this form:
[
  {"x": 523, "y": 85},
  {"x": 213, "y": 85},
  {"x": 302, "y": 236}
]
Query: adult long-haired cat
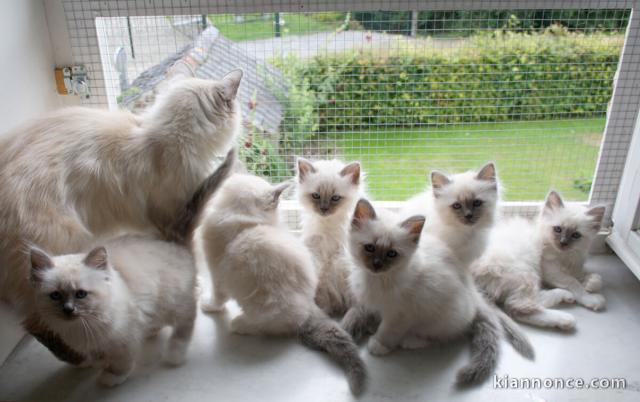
[
  {"x": 269, "y": 272},
  {"x": 523, "y": 255},
  {"x": 328, "y": 191},
  {"x": 82, "y": 174},
  {"x": 99, "y": 307},
  {"x": 460, "y": 209},
  {"x": 420, "y": 293}
]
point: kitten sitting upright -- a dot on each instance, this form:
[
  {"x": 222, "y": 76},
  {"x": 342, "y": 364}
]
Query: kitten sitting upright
[
  {"x": 328, "y": 192},
  {"x": 523, "y": 255},
  {"x": 420, "y": 293},
  {"x": 460, "y": 210},
  {"x": 269, "y": 272}
]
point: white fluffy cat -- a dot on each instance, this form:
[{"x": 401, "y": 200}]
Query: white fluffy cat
[
  {"x": 328, "y": 191},
  {"x": 421, "y": 294},
  {"x": 523, "y": 255},
  {"x": 269, "y": 272},
  {"x": 460, "y": 209},
  {"x": 80, "y": 175}
]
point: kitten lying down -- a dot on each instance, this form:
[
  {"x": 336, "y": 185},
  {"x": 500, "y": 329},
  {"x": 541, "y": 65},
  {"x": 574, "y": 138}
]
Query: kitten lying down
[
  {"x": 524, "y": 255},
  {"x": 269, "y": 272},
  {"x": 421, "y": 293}
]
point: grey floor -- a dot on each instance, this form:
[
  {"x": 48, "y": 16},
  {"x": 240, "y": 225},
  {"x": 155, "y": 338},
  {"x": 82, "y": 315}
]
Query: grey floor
[{"x": 235, "y": 368}]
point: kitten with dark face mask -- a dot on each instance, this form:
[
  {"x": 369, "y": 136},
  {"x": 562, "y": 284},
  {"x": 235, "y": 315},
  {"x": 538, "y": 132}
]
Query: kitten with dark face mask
[
  {"x": 460, "y": 209},
  {"x": 420, "y": 293},
  {"x": 523, "y": 255},
  {"x": 328, "y": 191}
]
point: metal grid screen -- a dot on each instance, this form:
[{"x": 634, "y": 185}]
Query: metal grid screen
[{"x": 403, "y": 91}]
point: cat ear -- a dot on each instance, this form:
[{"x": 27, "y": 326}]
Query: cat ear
[
  {"x": 278, "y": 190},
  {"x": 487, "y": 172},
  {"x": 364, "y": 211},
  {"x": 231, "y": 83},
  {"x": 40, "y": 261},
  {"x": 414, "y": 226},
  {"x": 353, "y": 170},
  {"x": 97, "y": 258},
  {"x": 304, "y": 168},
  {"x": 438, "y": 180},
  {"x": 553, "y": 200},
  {"x": 596, "y": 214}
]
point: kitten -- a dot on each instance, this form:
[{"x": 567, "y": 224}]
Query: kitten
[
  {"x": 328, "y": 191},
  {"x": 80, "y": 175},
  {"x": 460, "y": 210},
  {"x": 420, "y": 293},
  {"x": 522, "y": 255},
  {"x": 269, "y": 272},
  {"x": 180, "y": 233}
]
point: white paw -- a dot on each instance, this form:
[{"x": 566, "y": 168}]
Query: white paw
[
  {"x": 209, "y": 306},
  {"x": 414, "y": 342},
  {"x": 593, "y": 301},
  {"x": 241, "y": 327},
  {"x": 566, "y": 323},
  {"x": 111, "y": 380},
  {"x": 176, "y": 356},
  {"x": 376, "y": 348},
  {"x": 566, "y": 296},
  {"x": 593, "y": 283}
]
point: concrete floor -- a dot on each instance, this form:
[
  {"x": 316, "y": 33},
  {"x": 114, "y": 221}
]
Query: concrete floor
[{"x": 227, "y": 367}]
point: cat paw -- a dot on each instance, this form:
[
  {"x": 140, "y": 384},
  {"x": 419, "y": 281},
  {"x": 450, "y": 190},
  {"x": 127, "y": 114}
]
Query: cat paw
[
  {"x": 240, "y": 326},
  {"x": 566, "y": 322},
  {"x": 109, "y": 379},
  {"x": 566, "y": 296},
  {"x": 209, "y": 306},
  {"x": 414, "y": 342},
  {"x": 593, "y": 301},
  {"x": 176, "y": 353},
  {"x": 593, "y": 283},
  {"x": 376, "y": 348}
]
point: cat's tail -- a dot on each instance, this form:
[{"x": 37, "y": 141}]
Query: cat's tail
[
  {"x": 182, "y": 229},
  {"x": 514, "y": 335},
  {"x": 485, "y": 348},
  {"x": 322, "y": 333}
]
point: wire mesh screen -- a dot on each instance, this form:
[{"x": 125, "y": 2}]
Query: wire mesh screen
[{"x": 403, "y": 92}]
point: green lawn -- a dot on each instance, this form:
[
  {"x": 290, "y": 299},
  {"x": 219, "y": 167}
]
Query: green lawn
[
  {"x": 531, "y": 156},
  {"x": 254, "y": 27}
]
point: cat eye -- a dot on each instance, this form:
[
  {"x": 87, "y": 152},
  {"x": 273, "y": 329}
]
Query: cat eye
[
  {"x": 477, "y": 203},
  {"x": 335, "y": 198},
  {"x": 557, "y": 229},
  {"x": 576, "y": 235},
  {"x": 55, "y": 295},
  {"x": 315, "y": 196},
  {"x": 369, "y": 248},
  {"x": 81, "y": 294},
  {"x": 456, "y": 205},
  {"x": 392, "y": 253}
]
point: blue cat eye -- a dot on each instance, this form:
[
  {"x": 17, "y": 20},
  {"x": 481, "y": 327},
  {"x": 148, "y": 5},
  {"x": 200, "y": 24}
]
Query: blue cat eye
[
  {"x": 335, "y": 198},
  {"x": 81, "y": 294},
  {"x": 576, "y": 235},
  {"x": 456, "y": 205},
  {"x": 55, "y": 295},
  {"x": 315, "y": 196},
  {"x": 392, "y": 253},
  {"x": 557, "y": 229},
  {"x": 370, "y": 247},
  {"x": 477, "y": 203}
]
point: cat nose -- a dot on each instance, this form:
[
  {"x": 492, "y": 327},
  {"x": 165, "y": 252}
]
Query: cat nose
[
  {"x": 324, "y": 209},
  {"x": 377, "y": 263},
  {"x": 468, "y": 214},
  {"x": 563, "y": 242},
  {"x": 68, "y": 309}
]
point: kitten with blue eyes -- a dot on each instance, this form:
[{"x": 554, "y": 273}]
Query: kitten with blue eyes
[
  {"x": 524, "y": 255},
  {"x": 420, "y": 293},
  {"x": 460, "y": 209},
  {"x": 328, "y": 191}
]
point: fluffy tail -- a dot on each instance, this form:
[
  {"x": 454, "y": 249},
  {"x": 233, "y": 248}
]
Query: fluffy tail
[
  {"x": 182, "y": 229},
  {"x": 485, "y": 348},
  {"x": 322, "y": 333},
  {"x": 514, "y": 335}
]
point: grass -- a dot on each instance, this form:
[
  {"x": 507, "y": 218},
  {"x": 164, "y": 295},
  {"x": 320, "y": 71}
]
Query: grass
[
  {"x": 531, "y": 156},
  {"x": 254, "y": 27}
]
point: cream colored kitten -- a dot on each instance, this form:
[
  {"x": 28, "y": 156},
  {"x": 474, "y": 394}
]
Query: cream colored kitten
[
  {"x": 460, "y": 210},
  {"x": 328, "y": 191},
  {"x": 421, "y": 294},
  {"x": 269, "y": 272},
  {"x": 523, "y": 254},
  {"x": 80, "y": 175}
]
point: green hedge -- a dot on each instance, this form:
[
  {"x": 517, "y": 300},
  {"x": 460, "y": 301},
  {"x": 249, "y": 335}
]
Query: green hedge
[{"x": 488, "y": 77}]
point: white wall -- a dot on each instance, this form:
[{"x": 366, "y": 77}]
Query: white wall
[{"x": 27, "y": 88}]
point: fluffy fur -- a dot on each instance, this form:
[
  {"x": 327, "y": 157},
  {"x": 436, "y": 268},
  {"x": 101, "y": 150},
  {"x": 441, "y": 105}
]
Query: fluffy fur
[
  {"x": 460, "y": 209},
  {"x": 105, "y": 303},
  {"x": 523, "y": 255},
  {"x": 421, "y": 294},
  {"x": 269, "y": 272},
  {"x": 328, "y": 192},
  {"x": 79, "y": 175}
]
